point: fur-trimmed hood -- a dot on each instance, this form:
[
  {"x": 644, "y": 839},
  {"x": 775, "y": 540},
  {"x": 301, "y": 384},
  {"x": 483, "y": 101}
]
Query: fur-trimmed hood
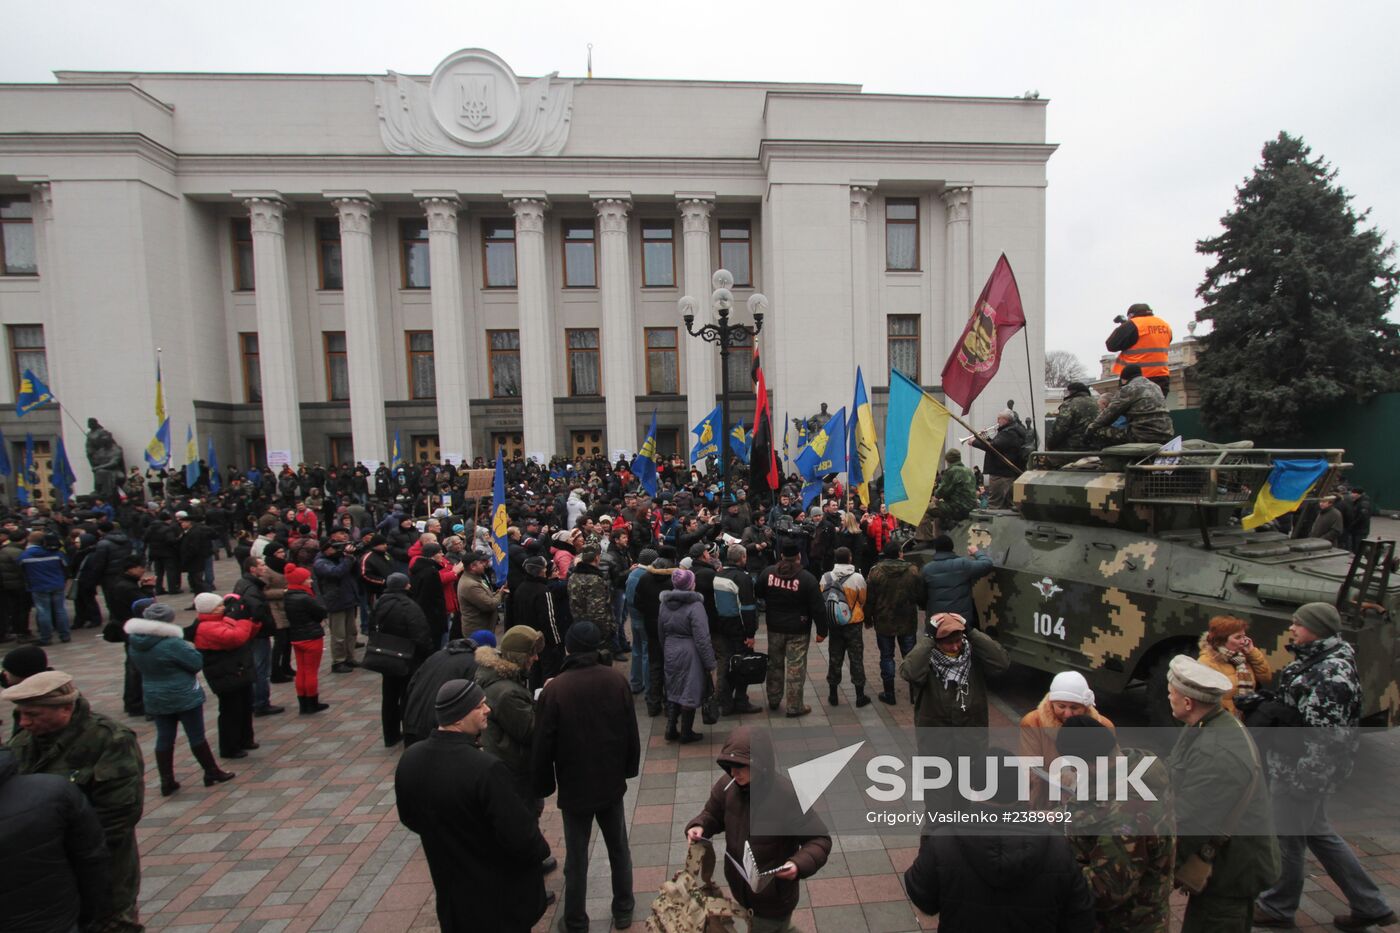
[
  {"x": 152, "y": 628},
  {"x": 492, "y": 666}
]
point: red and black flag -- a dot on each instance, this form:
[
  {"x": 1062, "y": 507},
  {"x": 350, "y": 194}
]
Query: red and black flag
[{"x": 763, "y": 460}]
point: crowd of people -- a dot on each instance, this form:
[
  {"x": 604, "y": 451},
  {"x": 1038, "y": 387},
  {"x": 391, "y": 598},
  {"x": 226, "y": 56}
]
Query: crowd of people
[{"x": 507, "y": 689}]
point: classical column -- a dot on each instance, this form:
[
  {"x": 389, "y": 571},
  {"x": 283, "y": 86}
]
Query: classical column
[
  {"x": 276, "y": 354},
  {"x": 536, "y": 327},
  {"x": 701, "y": 383},
  {"x": 862, "y": 327},
  {"x": 619, "y": 323},
  {"x": 957, "y": 278},
  {"x": 451, "y": 362},
  {"x": 369, "y": 436}
]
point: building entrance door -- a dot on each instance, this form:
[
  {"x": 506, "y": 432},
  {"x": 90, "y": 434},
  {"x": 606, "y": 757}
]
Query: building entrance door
[
  {"x": 512, "y": 442},
  {"x": 586, "y": 444},
  {"x": 425, "y": 448}
]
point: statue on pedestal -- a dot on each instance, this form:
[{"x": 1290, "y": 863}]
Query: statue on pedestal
[{"x": 105, "y": 457}]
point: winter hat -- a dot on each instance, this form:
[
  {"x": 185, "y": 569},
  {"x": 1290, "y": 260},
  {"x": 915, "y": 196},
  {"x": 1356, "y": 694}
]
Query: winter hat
[
  {"x": 25, "y": 661},
  {"x": 519, "y": 642},
  {"x": 298, "y": 578},
  {"x": 647, "y": 557},
  {"x": 535, "y": 564},
  {"x": 458, "y": 529},
  {"x": 432, "y": 549},
  {"x": 682, "y": 580},
  {"x": 47, "y": 688},
  {"x": 1071, "y": 687},
  {"x": 1322, "y": 619},
  {"x": 484, "y": 638},
  {"x": 139, "y": 607},
  {"x": 160, "y": 612},
  {"x": 206, "y": 603},
  {"x": 790, "y": 549},
  {"x": 953, "y": 456},
  {"x": 455, "y": 699},
  {"x": 947, "y": 623},
  {"x": 583, "y": 636},
  {"x": 1195, "y": 680},
  {"x": 396, "y": 583}
]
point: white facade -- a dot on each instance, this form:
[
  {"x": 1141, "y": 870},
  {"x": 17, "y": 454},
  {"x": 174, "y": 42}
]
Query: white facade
[{"x": 139, "y": 181}]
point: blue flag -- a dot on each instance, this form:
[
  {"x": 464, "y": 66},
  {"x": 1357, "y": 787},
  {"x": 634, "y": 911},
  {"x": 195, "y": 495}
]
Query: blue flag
[
  {"x": 864, "y": 452},
  {"x": 63, "y": 478},
  {"x": 32, "y": 394},
  {"x": 826, "y": 450},
  {"x": 707, "y": 432},
  {"x": 396, "y": 454},
  {"x": 741, "y": 441},
  {"x": 644, "y": 465},
  {"x": 500, "y": 520},
  {"x": 24, "y": 481},
  {"x": 215, "y": 483},
  {"x": 191, "y": 458},
  {"x": 5, "y": 468}
]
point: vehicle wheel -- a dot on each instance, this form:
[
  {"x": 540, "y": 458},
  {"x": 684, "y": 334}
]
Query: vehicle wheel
[{"x": 1159, "y": 710}]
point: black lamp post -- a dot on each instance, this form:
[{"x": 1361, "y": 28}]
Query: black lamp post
[{"x": 724, "y": 335}]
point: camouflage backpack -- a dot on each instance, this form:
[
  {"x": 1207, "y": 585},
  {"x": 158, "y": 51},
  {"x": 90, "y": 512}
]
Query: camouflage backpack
[{"x": 691, "y": 902}]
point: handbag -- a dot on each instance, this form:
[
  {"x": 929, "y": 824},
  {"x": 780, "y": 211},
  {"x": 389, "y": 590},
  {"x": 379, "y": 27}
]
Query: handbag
[
  {"x": 1193, "y": 874},
  {"x": 390, "y": 655},
  {"x": 227, "y": 671},
  {"x": 747, "y": 668}
]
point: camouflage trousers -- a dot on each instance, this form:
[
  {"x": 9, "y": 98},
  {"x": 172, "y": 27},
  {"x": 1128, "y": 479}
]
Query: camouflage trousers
[
  {"x": 787, "y": 669},
  {"x": 846, "y": 641}
]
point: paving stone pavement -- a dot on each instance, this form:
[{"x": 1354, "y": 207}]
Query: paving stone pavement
[{"x": 306, "y": 838}]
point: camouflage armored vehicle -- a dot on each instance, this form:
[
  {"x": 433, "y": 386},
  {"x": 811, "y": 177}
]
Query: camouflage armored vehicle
[{"x": 1114, "y": 562}]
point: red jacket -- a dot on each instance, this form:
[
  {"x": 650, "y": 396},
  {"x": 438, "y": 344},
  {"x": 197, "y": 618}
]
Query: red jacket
[
  {"x": 879, "y": 530},
  {"x": 220, "y": 633}
]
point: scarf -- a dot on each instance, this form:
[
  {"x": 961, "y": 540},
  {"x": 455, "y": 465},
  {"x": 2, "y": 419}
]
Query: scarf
[
  {"x": 954, "y": 671},
  {"x": 1244, "y": 674}
]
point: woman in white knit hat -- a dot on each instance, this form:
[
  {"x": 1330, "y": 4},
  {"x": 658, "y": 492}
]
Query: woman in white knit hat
[{"x": 1069, "y": 695}]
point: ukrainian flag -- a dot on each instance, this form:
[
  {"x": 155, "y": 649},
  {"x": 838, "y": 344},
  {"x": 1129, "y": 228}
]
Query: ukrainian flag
[
  {"x": 864, "y": 457},
  {"x": 500, "y": 522},
  {"x": 191, "y": 458},
  {"x": 915, "y": 428},
  {"x": 1284, "y": 490},
  {"x": 644, "y": 464},
  {"x": 395, "y": 454},
  {"x": 158, "y": 450}
]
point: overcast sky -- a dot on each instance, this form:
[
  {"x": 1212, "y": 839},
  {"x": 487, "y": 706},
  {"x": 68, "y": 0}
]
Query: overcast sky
[{"x": 1159, "y": 113}]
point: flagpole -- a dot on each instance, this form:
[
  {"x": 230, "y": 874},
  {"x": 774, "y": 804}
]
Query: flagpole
[
  {"x": 978, "y": 433},
  {"x": 1030, "y": 380}
]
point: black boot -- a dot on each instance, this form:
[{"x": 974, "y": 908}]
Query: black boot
[
  {"x": 165, "y": 764},
  {"x": 688, "y": 733},
  {"x": 887, "y": 694},
  {"x": 832, "y": 697},
  {"x": 673, "y": 713},
  {"x": 861, "y": 698},
  {"x": 742, "y": 705},
  {"x": 314, "y": 705},
  {"x": 213, "y": 774}
]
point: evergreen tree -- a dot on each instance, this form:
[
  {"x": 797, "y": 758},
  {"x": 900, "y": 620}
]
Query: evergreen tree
[{"x": 1297, "y": 297}]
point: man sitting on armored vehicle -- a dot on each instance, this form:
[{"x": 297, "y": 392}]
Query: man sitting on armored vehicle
[
  {"x": 1142, "y": 403},
  {"x": 954, "y": 498},
  {"x": 1077, "y": 412}
]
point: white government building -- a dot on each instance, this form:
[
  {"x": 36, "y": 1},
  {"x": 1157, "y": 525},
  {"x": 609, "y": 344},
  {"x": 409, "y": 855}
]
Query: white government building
[{"x": 471, "y": 259}]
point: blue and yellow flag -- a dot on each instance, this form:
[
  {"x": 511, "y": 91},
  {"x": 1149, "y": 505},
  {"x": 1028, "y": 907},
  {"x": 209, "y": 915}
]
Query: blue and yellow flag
[
  {"x": 32, "y": 394},
  {"x": 5, "y": 468},
  {"x": 215, "y": 481},
  {"x": 62, "y": 470},
  {"x": 158, "y": 450},
  {"x": 826, "y": 451},
  {"x": 864, "y": 454},
  {"x": 707, "y": 432},
  {"x": 395, "y": 454},
  {"x": 644, "y": 464},
  {"x": 915, "y": 427},
  {"x": 500, "y": 521},
  {"x": 1284, "y": 490},
  {"x": 741, "y": 441},
  {"x": 191, "y": 458},
  {"x": 787, "y": 453},
  {"x": 24, "y": 479}
]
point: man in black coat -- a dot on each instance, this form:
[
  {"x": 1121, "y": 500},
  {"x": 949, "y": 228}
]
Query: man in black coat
[
  {"x": 1007, "y": 442},
  {"x": 455, "y": 662},
  {"x": 395, "y": 613},
  {"x": 647, "y": 602},
  {"x": 252, "y": 589},
  {"x": 586, "y": 744},
  {"x": 54, "y": 868},
  {"x": 482, "y": 841}
]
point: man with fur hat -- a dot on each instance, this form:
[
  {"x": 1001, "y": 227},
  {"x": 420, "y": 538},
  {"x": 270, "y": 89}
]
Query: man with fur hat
[
  {"x": 1215, "y": 768},
  {"x": 473, "y": 824},
  {"x": 586, "y": 744},
  {"x": 1076, "y": 413},
  {"x": 1323, "y": 686},
  {"x": 795, "y": 856},
  {"x": 60, "y": 734}
]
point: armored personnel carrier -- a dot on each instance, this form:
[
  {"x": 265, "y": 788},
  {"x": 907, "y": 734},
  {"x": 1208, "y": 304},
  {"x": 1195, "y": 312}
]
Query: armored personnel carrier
[{"x": 1113, "y": 563}]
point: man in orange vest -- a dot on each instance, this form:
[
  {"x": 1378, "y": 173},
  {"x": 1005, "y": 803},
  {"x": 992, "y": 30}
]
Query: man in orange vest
[{"x": 1142, "y": 338}]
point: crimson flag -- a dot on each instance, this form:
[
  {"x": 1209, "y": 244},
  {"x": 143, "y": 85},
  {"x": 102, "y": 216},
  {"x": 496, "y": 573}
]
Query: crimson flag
[
  {"x": 763, "y": 459},
  {"x": 996, "y": 317}
]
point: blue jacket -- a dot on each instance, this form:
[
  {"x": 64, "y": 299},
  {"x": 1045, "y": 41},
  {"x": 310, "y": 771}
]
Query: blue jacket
[
  {"x": 168, "y": 665},
  {"x": 629, "y": 597},
  {"x": 43, "y": 569},
  {"x": 335, "y": 583},
  {"x": 949, "y": 578}
]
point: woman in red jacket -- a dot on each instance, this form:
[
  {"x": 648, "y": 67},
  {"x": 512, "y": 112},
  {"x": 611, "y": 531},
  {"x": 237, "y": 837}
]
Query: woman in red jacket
[{"x": 227, "y": 645}]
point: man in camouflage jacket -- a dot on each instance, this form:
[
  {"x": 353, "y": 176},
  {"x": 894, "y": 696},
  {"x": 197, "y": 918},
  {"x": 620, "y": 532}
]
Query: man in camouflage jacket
[
  {"x": 954, "y": 497},
  {"x": 1143, "y": 404},
  {"x": 1127, "y": 848},
  {"x": 62, "y": 735},
  {"x": 1323, "y": 686},
  {"x": 1077, "y": 412},
  {"x": 894, "y": 594},
  {"x": 589, "y": 596}
]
